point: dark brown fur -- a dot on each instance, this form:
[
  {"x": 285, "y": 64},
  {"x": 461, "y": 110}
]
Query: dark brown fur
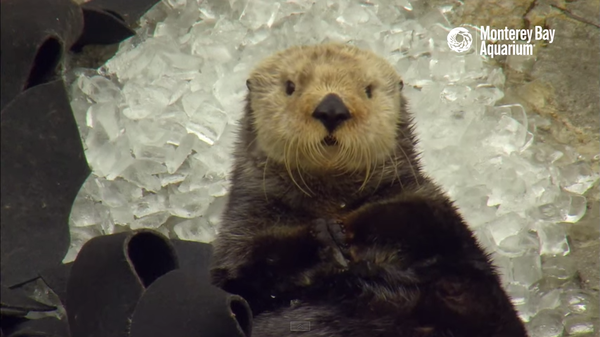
[{"x": 413, "y": 268}]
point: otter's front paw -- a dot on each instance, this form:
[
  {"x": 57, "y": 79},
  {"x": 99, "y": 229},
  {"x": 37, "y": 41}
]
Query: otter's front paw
[
  {"x": 338, "y": 234},
  {"x": 319, "y": 231},
  {"x": 331, "y": 235}
]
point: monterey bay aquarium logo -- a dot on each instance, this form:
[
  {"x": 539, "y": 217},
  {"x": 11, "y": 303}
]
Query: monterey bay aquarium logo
[{"x": 492, "y": 42}]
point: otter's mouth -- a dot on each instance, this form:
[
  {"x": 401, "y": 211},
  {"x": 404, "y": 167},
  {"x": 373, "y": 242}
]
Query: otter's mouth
[{"x": 330, "y": 141}]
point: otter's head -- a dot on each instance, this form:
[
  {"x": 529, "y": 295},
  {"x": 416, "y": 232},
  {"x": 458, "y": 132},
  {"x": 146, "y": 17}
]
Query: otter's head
[{"x": 329, "y": 107}]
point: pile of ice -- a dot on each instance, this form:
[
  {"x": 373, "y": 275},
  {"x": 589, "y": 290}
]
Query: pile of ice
[{"x": 157, "y": 121}]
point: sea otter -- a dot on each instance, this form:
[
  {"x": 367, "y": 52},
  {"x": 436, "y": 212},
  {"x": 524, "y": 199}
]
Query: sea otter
[{"x": 331, "y": 227}]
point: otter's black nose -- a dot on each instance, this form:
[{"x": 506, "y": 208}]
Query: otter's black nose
[{"x": 331, "y": 112}]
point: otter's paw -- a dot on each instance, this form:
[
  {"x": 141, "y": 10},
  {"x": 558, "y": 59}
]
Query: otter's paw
[
  {"x": 332, "y": 236},
  {"x": 331, "y": 233},
  {"x": 338, "y": 234},
  {"x": 319, "y": 231}
]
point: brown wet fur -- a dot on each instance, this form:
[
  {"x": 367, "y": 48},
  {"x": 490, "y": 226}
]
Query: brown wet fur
[{"x": 409, "y": 264}]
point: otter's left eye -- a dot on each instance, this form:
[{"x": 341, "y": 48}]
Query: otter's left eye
[
  {"x": 369, "y": 91},
  {"x": 290, "y": 87},
  {"x": 401, "y": 85}
]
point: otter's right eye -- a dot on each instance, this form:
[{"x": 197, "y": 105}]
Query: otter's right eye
[
  {"x": 290, "y": 87},
  {"x": 248, "y": 84}
]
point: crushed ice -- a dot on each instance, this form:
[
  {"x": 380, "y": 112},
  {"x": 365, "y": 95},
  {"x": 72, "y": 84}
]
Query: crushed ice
[{"x": 157, "y": 119}]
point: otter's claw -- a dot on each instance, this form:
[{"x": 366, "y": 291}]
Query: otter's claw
[{"x": 338, "y": 234}]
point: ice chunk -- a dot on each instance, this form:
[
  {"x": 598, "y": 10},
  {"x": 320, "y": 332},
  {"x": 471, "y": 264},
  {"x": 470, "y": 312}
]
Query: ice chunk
[
  {"x": 546, "y": 323},
  {"x": 195, "y": 230},
  {"x": 179, "y": 176},
  {"x": 192, "y": 101},
  {"x": 448, "y": 68},
  {"x": 154, "y": 153},
  {"x": 178, "y": 156},
  {"x": 85, "y": 212},
  {"x": 215, "y": 211},
  {"x": 99, "y": 89},
  {"x": 495, "y": 76},
  {"x": 557, "y": 210},
  {"x": 183, "y": 16},
  {"x": 508, "y": 225},
  {"x": 520, "y": 298},
  {"x": 217, "y": 189},
  {"x": 217, "y": 161},
  {"x": 156, "y": 69},
  {"x": 576, "y": 210},
  {"x": 580, "y": 302},
  {"x": 177, "y": 4},
  {"x": 405, "y": 4},
  {"x": 231, "y": 89},
  {"x": 189, "y": 205},
  {"x": 153, "y": 221},
  {"x": 506, "y": 185},
  {"x": 553, "y": 237},
  {"x": 543, "y": 298},
  {"x": 146, "y": 133},
  {"x": 144, "y": 100},
  {"x": 526, "y": 269},
  {"x": 117, "y": 193},
  {"x": 578, "y": 177},
  {"x": 194, "y": 181},
  {"x": 121, "y": 215},
  {"x": 418, "y": 73},
  {"x": 518, "y": 294},
  {"x": 149, "y": 204},
  {"x": 110, "y": 159},
  {"x": 486, "y": 94},
  {"x": 543, "y": 192},
  {"x": 397, "y": 42},
  {"x": 107, "y": 116},
  {"x": 91, "y": 188},
  {"x": 434, "y": 17},
  {"x": 149, "y": 167},
  {"x": 519, "y": 244},
  {"x": 354, "y": 14},
  {"x": 510, "y": 128},
  {"x": 208, "y": 123},
  {"x": 453, "y": 92},
  {"x": 146, "y": 181},
  {"x": 259, "y": 12},
  {"x": 578, "y": 325},
  {"x": 559, "y": 267},
  {"x": 129, "y": 62},
  {"x": 216, "y": 53}
]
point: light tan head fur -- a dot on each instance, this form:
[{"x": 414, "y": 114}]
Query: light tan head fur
[{"x": 289, "y": 134}]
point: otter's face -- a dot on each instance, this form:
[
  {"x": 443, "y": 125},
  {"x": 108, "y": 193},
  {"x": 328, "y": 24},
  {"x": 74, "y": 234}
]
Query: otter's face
[{"x": 326, "y": 107}]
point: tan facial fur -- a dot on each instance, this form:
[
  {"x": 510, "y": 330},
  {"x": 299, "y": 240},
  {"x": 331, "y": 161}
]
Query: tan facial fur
[{"x": 289, "y": 134}]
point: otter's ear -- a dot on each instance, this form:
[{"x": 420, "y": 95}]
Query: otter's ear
[
  {"x": 400, "y": 85},
  {"x": 248, "y": 84}
]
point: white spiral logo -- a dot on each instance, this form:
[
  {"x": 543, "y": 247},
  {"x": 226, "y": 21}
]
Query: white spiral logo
[{"x": 465, "y": 41}]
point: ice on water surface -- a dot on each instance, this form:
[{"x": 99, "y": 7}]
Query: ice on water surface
[{"x": 158, "y": 119}]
